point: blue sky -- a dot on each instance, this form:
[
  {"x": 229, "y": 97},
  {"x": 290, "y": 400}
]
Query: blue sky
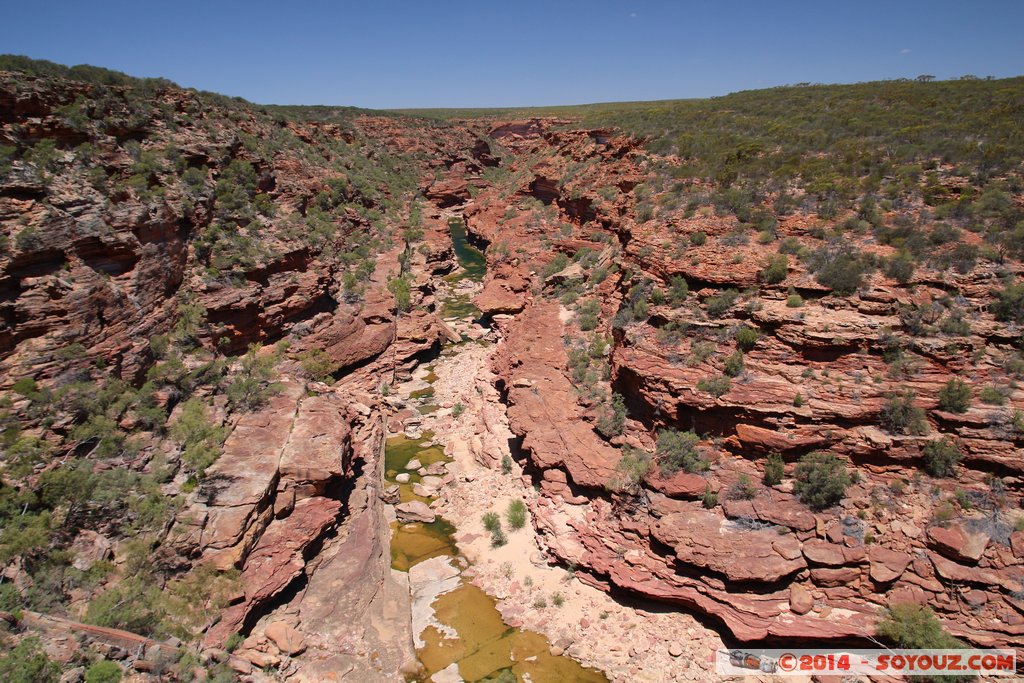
[{"x": 485, "y": 53}]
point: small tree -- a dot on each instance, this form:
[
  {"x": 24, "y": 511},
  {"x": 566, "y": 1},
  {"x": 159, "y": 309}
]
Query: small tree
[
  {"x": 317, "y": 365},
  {"x": 775, "y": 269},
  {"x": 955, "y": 396},
  {"x": 400, "y": 289},
  {"x": 719, "y": 304},
  {"x": 821, "y": 480},
  {"x": 734, "y": 364},
  {"x": 678, "y": 290},
  {"x": 1010, "y": 304},
  {"x": 746, "y": 337},
  {"x": 743, "y": 489}
]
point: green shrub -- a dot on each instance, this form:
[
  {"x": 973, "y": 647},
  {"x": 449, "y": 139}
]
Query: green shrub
[
  {"x": 498, "y": 538},
  {"x": 901, "y": 416},
  {"x": 317, "y": 365},
  {"x": 200, "y": 439},
  {"x": 26, "y": 386},
  {"x": 709, "y": 498},
  {"x": 630, "y": 471},
  {"x": 402, "y": 292},
  {"x": 775, "y": 269},
  {"x": 678, "y": 450},
  {"x": 746, "y": 337},
  {"x": 103, "y": 671},
  {"x": 716, "y": 386},
  {"x": 719, "y": 304},
  {"x": 491, "y": 521},
  {"x": 678, "y": 290},
  {"x": 841, "y": 270},
  {"x": 913, "y": 626},
  {"x": 698, "y": 238},
  {"x": 774, "y": 470},
  {"x": 1010, "y": 303},
  {"x": 955, "y": 396},
  {"x": 734, "y": 364},
  {"x": 555, "y": 265},
  {"x": 941, "y": 457},
  {"x": 992, "y": 395},
  {"x": 955, "y": 325},
  {"x": 133, "y": 605},
  {"x": 611, "y": 419},
  {"x": 251, "y": 388},
  {"x": 26, "y": 662},
  {"x": 587, "y": 315},
  {"x": 794, "y": 301},
  {"x": 743, "y": 489},
  {"x": 900, "y": 268},
  {"x": 506, "y": 464},
  {"x": 821, "y": 480},
  {"x": 515, "y": 514}
]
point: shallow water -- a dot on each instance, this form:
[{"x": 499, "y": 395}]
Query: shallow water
[
  {"x": 486, "y": 647},
  {"x": 459, "y": 306},
  {"x": 474, "y": 265}
]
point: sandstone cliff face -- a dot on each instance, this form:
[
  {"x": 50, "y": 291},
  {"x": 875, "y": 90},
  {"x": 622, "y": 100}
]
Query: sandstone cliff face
[
  {"x": 820, "y": 376},
  {"x": 150, "y": 235}
]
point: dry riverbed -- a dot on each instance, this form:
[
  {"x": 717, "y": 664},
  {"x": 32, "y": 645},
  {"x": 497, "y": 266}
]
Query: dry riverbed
[{"x": 626, "y": 643}]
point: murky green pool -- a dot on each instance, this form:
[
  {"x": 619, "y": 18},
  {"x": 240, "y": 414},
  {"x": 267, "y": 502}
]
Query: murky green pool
[
  {"x": 474, "y": 265},
  {"x": 486, "y": 649}
]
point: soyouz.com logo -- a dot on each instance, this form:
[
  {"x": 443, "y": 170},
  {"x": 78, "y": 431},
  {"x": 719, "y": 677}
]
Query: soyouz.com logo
[{"x": 796, "y": 662}]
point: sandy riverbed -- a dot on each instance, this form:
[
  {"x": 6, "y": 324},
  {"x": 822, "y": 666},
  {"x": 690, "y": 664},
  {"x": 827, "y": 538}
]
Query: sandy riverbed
[{"x": 627, "y": 643}]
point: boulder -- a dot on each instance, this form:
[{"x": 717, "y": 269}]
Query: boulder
[
  {"x": 705, "y": 540},
  {"x": 800, "y": 599},
  {"x": 886, "y": 565},
  {"x": 415, "y": 511},
  {"x": 286, "y": 638},
  {"x": 957, "y": 543}
]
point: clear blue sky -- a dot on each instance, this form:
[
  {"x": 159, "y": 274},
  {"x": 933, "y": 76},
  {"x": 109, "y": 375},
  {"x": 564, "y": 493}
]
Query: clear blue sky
[{"x": 455, "y": 53}]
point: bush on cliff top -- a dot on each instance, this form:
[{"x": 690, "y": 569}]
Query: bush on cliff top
[{"x": 909, "y": 625}]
